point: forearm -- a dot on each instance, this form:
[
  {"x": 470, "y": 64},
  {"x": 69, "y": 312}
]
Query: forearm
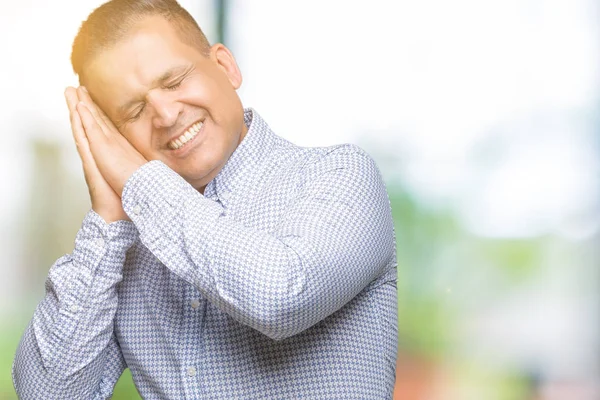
[
  {"x": 279, "y": 283},
  {"x": 67, "y": 340}
]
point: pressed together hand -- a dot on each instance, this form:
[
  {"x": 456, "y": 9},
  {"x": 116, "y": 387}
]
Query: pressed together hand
[{"x": 108, "y": 158}]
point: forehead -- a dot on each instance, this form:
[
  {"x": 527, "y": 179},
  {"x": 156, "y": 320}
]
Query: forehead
[{"x": 129, "y": 68}]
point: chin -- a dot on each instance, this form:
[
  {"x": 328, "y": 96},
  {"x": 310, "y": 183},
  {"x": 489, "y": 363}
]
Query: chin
[{"x": 196, "y": 176}]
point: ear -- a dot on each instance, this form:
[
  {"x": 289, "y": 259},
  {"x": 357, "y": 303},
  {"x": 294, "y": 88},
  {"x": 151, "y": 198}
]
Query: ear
[{"x": 226, "y": 62}]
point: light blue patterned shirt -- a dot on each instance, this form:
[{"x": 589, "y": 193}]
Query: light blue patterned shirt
[{"x": 278, "y": 283}]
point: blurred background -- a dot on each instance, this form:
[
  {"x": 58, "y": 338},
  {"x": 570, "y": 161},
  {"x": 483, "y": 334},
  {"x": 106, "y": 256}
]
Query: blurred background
[{"x": 483, "y": 116}]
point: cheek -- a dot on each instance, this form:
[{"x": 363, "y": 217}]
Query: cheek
[
  {"x": 210, "y": 94},
  {"x": 197, "y": 91}
]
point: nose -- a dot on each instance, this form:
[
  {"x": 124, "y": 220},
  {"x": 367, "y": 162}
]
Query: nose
[{"x": 166, "y": 109}]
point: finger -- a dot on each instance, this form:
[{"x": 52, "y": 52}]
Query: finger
[
  {"x": 90, "y": 170},
  {"x": 107, "y": 121},
  {"x": 107, "y": 125},
  {"x": 71, "y": 98},
  {"x": 94, "y": 109},
  {"x": 81, "y": 142},
  {"x": 83, "y": 146},
  {"x": 99, "y": 112},
  {"x": 92, "y": 129}
]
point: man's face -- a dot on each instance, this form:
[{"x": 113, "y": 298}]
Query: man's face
[{"x": 156, "y": 88}]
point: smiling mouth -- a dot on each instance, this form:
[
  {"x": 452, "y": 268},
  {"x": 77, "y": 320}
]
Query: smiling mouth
[{"x": 186, "y": 137}]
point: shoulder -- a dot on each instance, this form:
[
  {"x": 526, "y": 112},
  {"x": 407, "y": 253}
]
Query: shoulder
[
  {"x": 303, "y": 165},
  {"x": 349, "y": 157},
  {"x": 344, "y": 172}
]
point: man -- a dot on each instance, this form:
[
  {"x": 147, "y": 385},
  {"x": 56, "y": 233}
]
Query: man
[{"x": 219, "y": 261}]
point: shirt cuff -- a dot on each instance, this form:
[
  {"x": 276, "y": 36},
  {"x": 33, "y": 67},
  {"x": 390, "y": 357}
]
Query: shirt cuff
[{"x": 97, "y": 240}]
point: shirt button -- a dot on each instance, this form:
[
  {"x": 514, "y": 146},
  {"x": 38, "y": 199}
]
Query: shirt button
[
  {"x": 191, "y": 371},
  {"x": 137, "y": 210},
  {"x": 100, "y": 242},
  {"x": 195, "y": 303},
  {"x": 74, "y": 308}
]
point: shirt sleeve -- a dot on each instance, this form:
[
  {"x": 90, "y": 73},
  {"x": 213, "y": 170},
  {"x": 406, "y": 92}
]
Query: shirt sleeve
[
  {"x": 69, "y": 349},
  {"x": 333, "y": 240}
]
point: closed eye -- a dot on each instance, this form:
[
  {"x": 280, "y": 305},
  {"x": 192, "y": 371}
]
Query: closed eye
[
  {"x": 173, "y": 86},
  {"x": 178, "y": 79},
  {"x": 138, "y": 113}
]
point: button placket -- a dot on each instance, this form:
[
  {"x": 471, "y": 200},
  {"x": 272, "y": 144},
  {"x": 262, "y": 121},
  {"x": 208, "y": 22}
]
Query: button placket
[
  {"x": 225, "y": 195},
  {"x": 100, "y": 242},
  {"x": 192, "y": 339}
]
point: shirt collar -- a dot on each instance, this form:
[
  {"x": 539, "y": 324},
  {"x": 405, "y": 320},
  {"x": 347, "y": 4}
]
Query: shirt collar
[{"x": 242, "y": 165}]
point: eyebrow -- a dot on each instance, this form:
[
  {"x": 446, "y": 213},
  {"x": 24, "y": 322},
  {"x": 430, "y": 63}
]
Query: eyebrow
[{"x": 168, "y": 74}]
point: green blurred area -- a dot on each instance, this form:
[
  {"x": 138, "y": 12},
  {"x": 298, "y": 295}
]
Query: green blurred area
[{"x": 434, "y": 256}]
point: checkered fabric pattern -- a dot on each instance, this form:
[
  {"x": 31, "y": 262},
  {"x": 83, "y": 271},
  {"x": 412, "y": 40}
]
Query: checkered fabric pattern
[{"x": 279, "y": 282}]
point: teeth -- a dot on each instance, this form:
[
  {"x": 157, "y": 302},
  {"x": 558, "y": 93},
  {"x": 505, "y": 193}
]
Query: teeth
[{"x": 186, "y": 137}]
